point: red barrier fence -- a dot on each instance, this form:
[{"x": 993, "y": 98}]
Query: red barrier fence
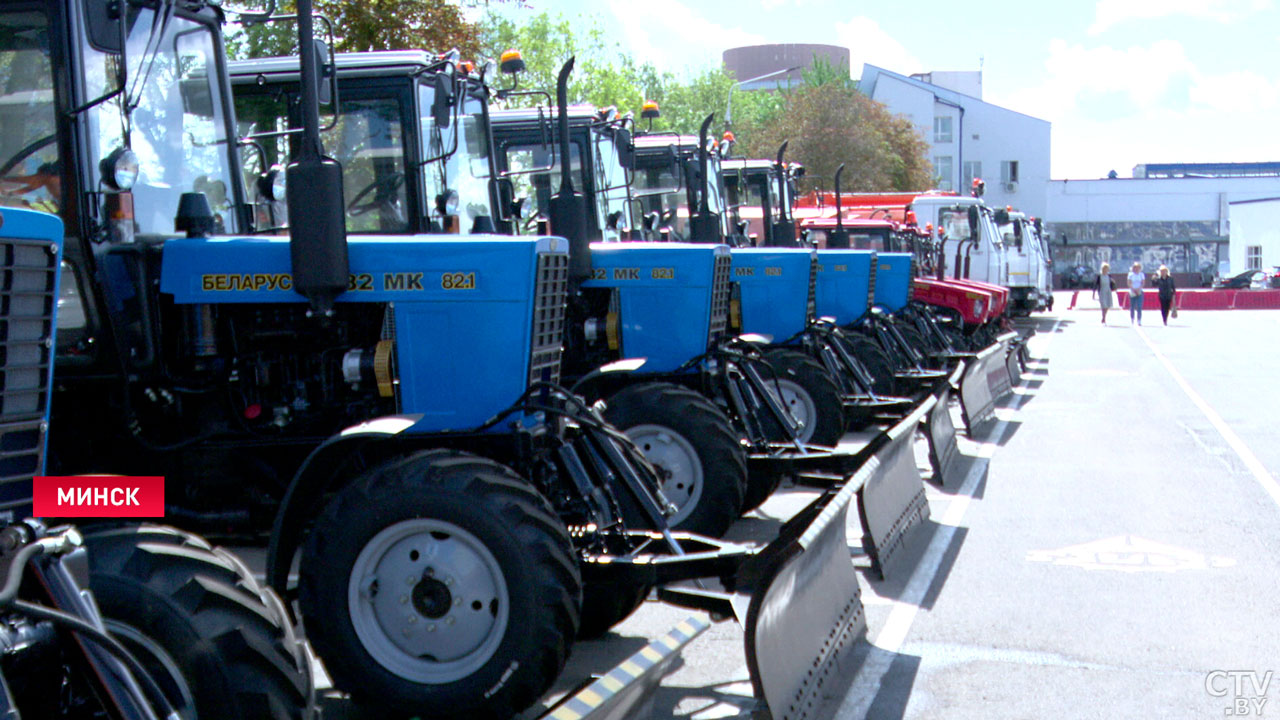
[{"x": 1210, "y": 299}]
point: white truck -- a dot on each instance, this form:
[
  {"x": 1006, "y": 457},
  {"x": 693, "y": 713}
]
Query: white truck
[{"x": 1030, "y": 269}]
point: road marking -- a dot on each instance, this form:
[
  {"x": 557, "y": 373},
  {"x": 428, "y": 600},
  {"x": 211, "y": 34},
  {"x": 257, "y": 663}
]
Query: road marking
[
  {"x": 865, "y": 686},
  {"x": 1127, "y": 553},
  {"x": 1242, "y": 451}
]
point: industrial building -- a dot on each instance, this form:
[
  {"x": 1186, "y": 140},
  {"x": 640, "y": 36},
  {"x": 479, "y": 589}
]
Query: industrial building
[{"x": 970, "y": 138}]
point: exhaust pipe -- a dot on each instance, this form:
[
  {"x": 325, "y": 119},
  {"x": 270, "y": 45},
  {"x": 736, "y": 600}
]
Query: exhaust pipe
[
  {"x": 840, "y": 238},
  {"x": 783, "y": 232},
  {"x": 704, "y": 226},
  {"x": 318, "y": 227},
  {"x": 568, "y": 208}
]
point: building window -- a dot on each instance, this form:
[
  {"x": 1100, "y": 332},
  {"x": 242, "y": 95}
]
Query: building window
[
  {"x": 1253, "y": 257},
  {"x": 942, "y": 129},
  {"x": 1009, "y": 171},
  {"x": 972, "y": 169},
  {"x": 943, "y": 170}
]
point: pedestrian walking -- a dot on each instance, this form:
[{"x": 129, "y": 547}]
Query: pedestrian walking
[
  {"x": 1102, "y": 290},
  {"x": 1165, "y": 288},
  {"x": 1137, "y": 279}
]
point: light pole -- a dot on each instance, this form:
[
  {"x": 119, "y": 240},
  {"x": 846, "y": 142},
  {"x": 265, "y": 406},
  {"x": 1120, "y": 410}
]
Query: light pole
[{"x": 728, "y": 108}]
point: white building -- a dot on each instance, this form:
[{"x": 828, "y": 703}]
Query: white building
[
  {"x": 969, "y": 137},
  {"x": 1178, "y": 217},
  {"x": 1255, "y": 234}
]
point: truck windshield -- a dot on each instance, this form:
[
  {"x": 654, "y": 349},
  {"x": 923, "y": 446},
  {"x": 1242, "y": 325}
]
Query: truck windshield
[
  {"x": 179, "y": 127},
  {"x": 29, "y": 168}
]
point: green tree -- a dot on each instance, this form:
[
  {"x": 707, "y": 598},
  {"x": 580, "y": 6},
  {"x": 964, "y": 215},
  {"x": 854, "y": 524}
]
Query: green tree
[
  {"x": 830, "y": 123},
  {"x": 433, "y": 25}
]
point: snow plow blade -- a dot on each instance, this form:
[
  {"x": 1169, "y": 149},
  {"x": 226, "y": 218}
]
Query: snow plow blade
[
  {"x": 977, "y": 402},
  {"x": 805, "y": 619},
  {"x": 1001, "y": 378},
  {"x": 891, "y": 500},
  {"x": 626, "y": 691},
  {"x": 944, "y": 453}
]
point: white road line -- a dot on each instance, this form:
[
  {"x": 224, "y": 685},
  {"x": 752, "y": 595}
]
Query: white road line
[
  {"x": 862, "y": 692},
  {"x": 1259, "y": 471}
]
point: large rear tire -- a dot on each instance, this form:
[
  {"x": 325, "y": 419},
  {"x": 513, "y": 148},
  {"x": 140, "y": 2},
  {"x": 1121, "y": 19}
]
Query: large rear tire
[
  {"x": 440, "y": 584},
  {"x": 694, "y": 447},
  {"x": 874, "y": 359},
  {"x": 810, "y": 394},
  {"x": 219, "y": 644}
]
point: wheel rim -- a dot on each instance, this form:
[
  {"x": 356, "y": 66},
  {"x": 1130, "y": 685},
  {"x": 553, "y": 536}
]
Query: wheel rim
[
  {"x": 800, "y": 404},
  {"x": 678, "y": 463},
  {"x": 428, "y": 601},
  {"x": 159, "y": 664}
]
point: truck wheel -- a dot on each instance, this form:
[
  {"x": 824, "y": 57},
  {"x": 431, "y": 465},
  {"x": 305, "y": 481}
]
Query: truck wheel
[
  {"x": 874, "y": 359},
  {"x": 219, "y": 644},
  {"x": 440, "y": 584},
  {"x": 810, "y": 394},
  {"x": 693, "y": 446}
]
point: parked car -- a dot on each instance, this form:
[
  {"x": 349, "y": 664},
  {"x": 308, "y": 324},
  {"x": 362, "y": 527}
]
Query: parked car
[
  {"x": 1080, "y": 276},
  {"x": 1243, "y": 281}
]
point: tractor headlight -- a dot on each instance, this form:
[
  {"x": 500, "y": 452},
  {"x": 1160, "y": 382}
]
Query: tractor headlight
[
  {"x": 977, "y": 307},
  {"x": 271, "y": 184},
  {"x": 120, "y": 169},
  {"x": 447, "y": 202}
]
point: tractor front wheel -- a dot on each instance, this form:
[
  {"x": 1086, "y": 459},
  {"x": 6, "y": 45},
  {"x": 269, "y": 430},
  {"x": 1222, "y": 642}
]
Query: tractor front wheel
[{"x": 440, "y": 584}]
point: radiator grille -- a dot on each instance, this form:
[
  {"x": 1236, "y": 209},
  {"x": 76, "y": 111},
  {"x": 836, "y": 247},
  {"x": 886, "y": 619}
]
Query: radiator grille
[
  {"x": 27, "y": 281},
  {"x": 871, "y": 282},
  {"x": 811, "y": 309},
  {"x": 719, "y": 299},
  {"x": 911, "y": 280},
  {"x": 548, "y": 317}
]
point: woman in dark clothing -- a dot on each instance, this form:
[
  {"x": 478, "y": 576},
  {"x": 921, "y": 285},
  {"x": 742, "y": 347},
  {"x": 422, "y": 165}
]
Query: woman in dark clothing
[{"x": 1164, "y": 284}]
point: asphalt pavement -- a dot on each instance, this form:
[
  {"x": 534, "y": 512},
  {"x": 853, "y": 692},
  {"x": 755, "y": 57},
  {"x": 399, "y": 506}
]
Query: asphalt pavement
[{"x": 1110, "y": 551}]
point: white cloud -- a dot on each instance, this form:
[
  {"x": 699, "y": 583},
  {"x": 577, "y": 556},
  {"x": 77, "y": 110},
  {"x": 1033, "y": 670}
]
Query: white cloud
[
  {"x": 660, "y": 31},
  {"x": 1110, "y": 13},
  {"x": 1112, "y": 108},
  {"x": 869, "y": 43}
]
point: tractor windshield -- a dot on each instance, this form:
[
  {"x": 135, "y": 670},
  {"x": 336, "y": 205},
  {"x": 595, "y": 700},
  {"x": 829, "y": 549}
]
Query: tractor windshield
[
  {"x": 460, "y": 155},
  {"x": 29, "y": 168},
  {"x": 657, "y": 187},
  {"x": 171, "y": 113}
]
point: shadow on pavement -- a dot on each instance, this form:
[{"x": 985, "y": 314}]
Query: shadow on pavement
[{"x": 903, "y": 565}]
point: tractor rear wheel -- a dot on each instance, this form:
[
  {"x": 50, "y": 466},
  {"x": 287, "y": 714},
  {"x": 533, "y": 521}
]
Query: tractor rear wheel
[
  {"x": 440, "y": 584},
  {"x": 219, "y": 644},
  {"x": 809, "y": 393},
  {"x": 694, "y": 448}
]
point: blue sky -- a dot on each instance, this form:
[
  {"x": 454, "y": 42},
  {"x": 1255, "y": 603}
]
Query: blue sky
[{"x": 1123, "y": 81}]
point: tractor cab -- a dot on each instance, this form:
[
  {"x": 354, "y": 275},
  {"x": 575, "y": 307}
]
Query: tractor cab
[
  {"x": 758, "y": 194},
  {"x": 409, "y": 128}
]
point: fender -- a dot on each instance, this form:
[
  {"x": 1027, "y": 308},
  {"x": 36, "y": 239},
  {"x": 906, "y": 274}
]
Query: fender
[{"x": 317, "y": 475}]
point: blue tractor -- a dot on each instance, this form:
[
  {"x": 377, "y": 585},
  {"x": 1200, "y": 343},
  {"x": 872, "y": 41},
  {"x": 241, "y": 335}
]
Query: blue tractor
[
  {"x": 666, "y": 302},
  {"x": 385, "y": 409},
  {"x": 852, "y": 288},
  {"x": 775, "y": 290},
  {"x": 444, "y": 179}
]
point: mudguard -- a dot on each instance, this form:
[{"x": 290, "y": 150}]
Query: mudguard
[
  {"x": 627, "y": 689},
  {"x": 977, "y": 404},
  {"x": 944, "y": 453},
  {"x": 805, "y": 618},
  {"x": 891, "y": 500}
]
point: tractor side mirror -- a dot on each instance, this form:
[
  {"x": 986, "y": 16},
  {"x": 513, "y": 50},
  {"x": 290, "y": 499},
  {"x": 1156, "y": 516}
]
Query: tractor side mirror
[
  {"x": 973, "y": 221},
  {"x": 442, "y": 104},
  {"x": 626, "y": 148},
  {"x": 327, "y": 72}
]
